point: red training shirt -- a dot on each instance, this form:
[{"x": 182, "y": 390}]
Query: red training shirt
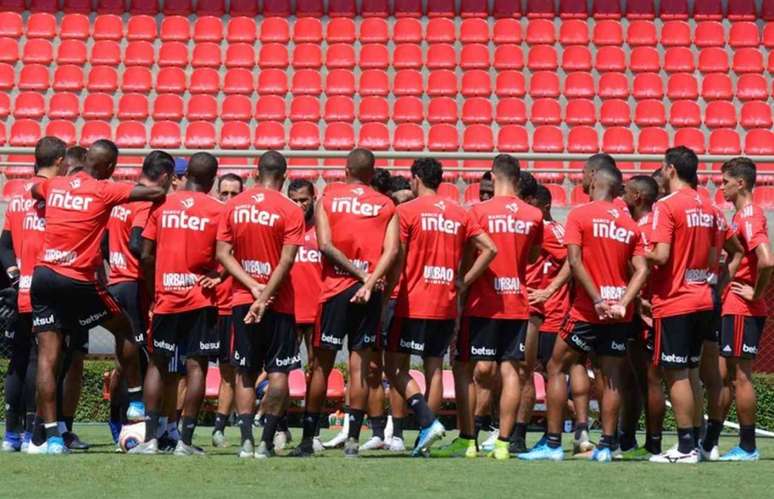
[
  {"x": 553, "y": 250},
  {"x": 28, "y": 237},
  {"x": 552, "y": 256},
  {"x": 750, "y": 227},
  {"x": 306, "y": 276},
  {"x": 124, "y": 266}
]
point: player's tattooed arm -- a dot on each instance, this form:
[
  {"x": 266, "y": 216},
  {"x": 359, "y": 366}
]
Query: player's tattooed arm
[
  {"x": 327, "y": 248},
  {"x": 153, "y": 194},
  {"x": 279, "y": 276},
  {"x": 574, "y": 256},
  {"x": 636, "y": 281},
  {"x": 390, "y": 250},
  {"x": 226, "y": 258},
  {"x": 148, "y": 265},
  {"x": 486, "y": 252}
]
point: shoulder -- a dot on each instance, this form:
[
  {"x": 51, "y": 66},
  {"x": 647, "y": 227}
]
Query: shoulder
[{"x": 531, "y": 211}]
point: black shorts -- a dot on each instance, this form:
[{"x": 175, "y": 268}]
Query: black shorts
[
  {"x": 607, "y": 340},
  {"x": 423, "y": 337},
  {"x": 741, "y": 336},
  {"x": 193, "y": 332},
  {"x": 487, "y": 339},
  {"x": 225, "y": 328},
  {"x": 132, "y": 298},
  {"x": 339, "y": 318},
  {"x": 677, "y": 339},
  {"x": 388, "y": 318},
  {"x": 67, "y": 305},
  {"x": 270, "y": 345},
  {"x": 546, "y": 342}
]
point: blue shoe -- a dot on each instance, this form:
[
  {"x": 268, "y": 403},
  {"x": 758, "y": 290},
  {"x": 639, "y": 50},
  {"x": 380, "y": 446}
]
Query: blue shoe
[
  {"x": 56, "y": 446},
  {"x": 26, "y": 439},
  {"x": 427, "y": 436},
  {"x": 543, "y": 441},
  {"x": 739, "y": 454},
  {"x": 115, "y": 430},
  {"x": 543, "y": 453},
  {"x": 11, "y": 442},
  {"x": 602, "y": 455},
  {"x": 135, "y": 411}
]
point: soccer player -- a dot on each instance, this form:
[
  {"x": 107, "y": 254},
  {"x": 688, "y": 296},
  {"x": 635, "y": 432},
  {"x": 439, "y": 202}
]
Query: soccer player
[
  {"x": 178, "y": 261},
  {"x": 230, "y": 185},
  {"x": 485, "y": 187},
  {"x": 684, "y": 231},
  {"x": 357, "y": 232},
  {"x": 602, "y": 242},
  {"x": 258, "y": 238},
  {"x": 400, "y": 189},
  {"x": 75, "y": 158},
  {"x": 65, "y": 293},
  {"x": 21, "y": 241},
  {"x": 744, "y": 307}
]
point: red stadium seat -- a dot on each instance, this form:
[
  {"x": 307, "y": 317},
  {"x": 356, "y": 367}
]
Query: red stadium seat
[
  {"x": 341, "y": 8},
  {"x": 108, "y": 27},
  {"x": 74, "y": 27},
  {"x": 340, "y": 56},
  {"x": 610, "y": 59},
  {"x": 165, "y": 134},
  {"x": 548, "y": 139},
  {"x": 235, "y": 135},
  {"x": 476, "y": 83},
  {"x": 441, "y": 8},
  {"x": 511, "y": 111},
  {"x": 408, "y": 137},
  {"x": 408, "y": 82},
  {"x": 133, "y": 107},
  {"x": 650, "y": 113},
  {"x": 408, "y": 56},
  {"x": 546, "y": 112},
  {"x": 240, "y": 81},
  {"x": 24, "y": 133},
  {"x": 68, "y": 79},
  {"x": 510, "y": 84},
  {"x": 542, "y": 57},
  {"x": 676, "y": 34},
  {"x": 579, "y": 85},
  {"x": 170, "y": 54},
  {"x": 477, "y": 138},
  {"x": 512, "y": 138},
  {"x": 440, "y": 30},
  {"x": 614, "y": 86},
  {"x": 107, "y": 53},
  {"x": 374, "y": 136},
  {"x": 641, "y": 33},
  {"x": 644, "y": 60},
  {"x": 339, "y": 137},
  {"x": 306, "y": 82},
  {"x": 540, "y": 31},
  {"x": 340, "y": 82},
  {"x": 756, "y": 114},
  {"x": 608, "y": 33},
  {"x": 206, "y": 55},
  {"x": 270, "y": 108},
  {"x": 405, "y": 110},
  {"x": 273, "y": 55},
  {"x": 439, "y": 56},
  {"x": 41, "y": 25},
  {"x": 131, "y": 134},
  {"x": 713, "y": 60},
  {"x": 473, "y": 31},
  {"x": 342, "y": 108},
  {"x": 342, "y": 30},
  {"x": 674, "y": 9},
  {"x": 407, "y": 31},
  {"x": 279, "y": 8},
  {"x": 61, "y": 129},
  {"x": 304, "y": 135},
  {"x": 751, "y": 87},
  {"x": 544, "y": 84},
  {"x": 9, "y": 50},
  {"x": 307, "y": 56},
  {"x": 573, "y": 9},
  {"x": 506, "y": 31},
  {"x": 308, "y": 30},
  {"x": 768, "y": 31},
  {"x": 615, "y": 112},
  {"x": 720, "y": 114},
  {"x": 372, "y": 56},
  {"x": 92, "y": 131},
  {"x": 168, "y": 107},
  {"x": 64, "y": 106},
  {"x": 573, "y": 32},
  {"x": 718, "y": 87},
  {"x": 708, "y": 9},
  {"x": 38, "y": 51},
  {"x": 168, "y": 80},
  {"x": 477, "y": 110},
  {"x": 309, "y": 8},
  {"x": 508, "y": 57},
  {"x": 29, "y": 105},
  {"x": 200, "y": 135},
  {"x": 442, "y": 110},
  {"x": 682, "y": 86},
  {"x": 648, "y": 86},
  {"x": 441, "y": 83},
  {"x": 652, "y": 141},
  {"x": 443, "y": 137},
  {"x": 305, "y": 108},
  {"x": 175, "y": 29},
  {"x": 748, "y": 60},
  {"x": 98, "y": 106},
  {"x": 11, "y": 24},
  {"x": 240, "y": 55},
  {"x": 679, "y": 60},
  {"x": 104, "y": 79},
  {"x": 208, "y": 29},
  {"x": 205, "y": 81},
  {"x": 270, "y": 135},
  {"x": 202, "y": 107},
  {"x": 475, "y": 56},
  {"x": 540, "y": 9},
  {"x": 576, "y": 58},
  {"x": 374, "y": 82},
  {"x": 743, "y": 34},
  {"x": 34, "y": 77},
  {"x": 580, "y": 112},
  {"x": 742, "y": 10},
  {"x": 709, "y": 34},
  {"x": 71, "y": 52},
  {"x": 692, "y": 138},
  {"x": 582, "y": 139},
  {"x": 759, "y": 142},
  {"x": 270, "y": 81},
  {"x": 684, "y": 113},
  {"x": 241, "y": 30},
  {"x": 275, "y": 30},
  {"x": 372, "y": 30},
  {"x": 724, "y": 141},
  {"x": 474, "y": 8},
  {"x": 618, "y": 140},
  {"x": 7, "y": 77},
  {"x": 247, "y": 8}
]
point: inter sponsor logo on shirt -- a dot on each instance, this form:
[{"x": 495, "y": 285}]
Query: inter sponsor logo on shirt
[
  {"x": 20, "y": 204},
  {"x": 306, "y": 255},
  {"x": 120, "y": 213},
  {"x": 696, "y": 217},
  {"x": 66, "y": 201},
  {"x": 358, "y": 264},
  {"x": 179, "y": 280},
  {"x": 354, "y": 206},
  {"x": 34, "y": 223},
  {"x": 438, "y": 275},
  {"x": 436, "y": 222},
  {"x": 182, "y": 220},
  {"x": 608, "y": 229},
  {"x": 59, "y": 256},
  {"x": 612, "y": 292},
  {"x": 498, "y": 224},
  {"x": 253, "y": 215},
  {"x": 507, "y": 285},
  {"x": 117, "y": 260},
  {"x": 256, "y": 267}
]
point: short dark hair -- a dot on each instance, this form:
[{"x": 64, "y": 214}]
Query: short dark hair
[
  {"x": 158, "y": 163},
  {"x": 684, "y": 160},
  {"x": 657, "y": 173},
  {"x": 399, "y": 183},
  {"x": 301, "y": 183},
  {"x": 107, "y": 147},
  {"x": 48, "y": 150},
  {"x": 486, "y": 176},
  {"x": 741, "y": 168},
  {"x": 76, "y": 155},
  {"x": 599, "y": 160},
  {"x": 613, "y": 175},
  {"x": 429, "y": 171},
  {"x": 272, "y": 164},
  {"x": 506, "y": 166},
  {"x": 231, "y": 177},
  {"x": 542, "y": 196},
  {"x": 647, "y": 187},
  {"x": 527, "y": 185},
  {"x": 360, "y": 163},
  {"x": 202, "y": 168},
  {"x": 381, "y": 180}
]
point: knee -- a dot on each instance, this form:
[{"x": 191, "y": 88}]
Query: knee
[{"x": 485, "y": 373}]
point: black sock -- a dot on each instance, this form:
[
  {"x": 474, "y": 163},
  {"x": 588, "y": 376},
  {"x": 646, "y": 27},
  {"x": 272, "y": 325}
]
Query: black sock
[
  {"x": 628, "y": 441},
  {"x": 519, "y": 432},
  {"x": 580, "y": 428},
  {"x": 355, "y": 423},
  {"x": 554, "y": 440},
  {"x": 685, "y": 442},
  {"x": 151, "y": 425},
  {"x": 68, "y": 424},
  {"x": 422, "y": 412},
  {"x": 135, "y": 394},
  {"x": 116, "y": 413},
  {"x": 607, "y": 441},
  {"x": 29, "y": 422},
  {"x": 269, "y": 429},
  {"x": 377, "y": 425},
  {"x": 747, "y": 437},
  {"x": 310, "y": 424},
  {"x": 220, "y": 422},
  {"x": 282, "y": 424},
  {"x": 397, "y": 427},
  {"x": 51, "y": 429},
  {"x": 38, "y": 432},
  {"x": 482, "y": 423},
  {"x": 653, "y": 443},
  {"x": 696, "y": 436},
  {"x": 13, "y": 421},
  {"x": 714, "y": 427},
  {"x": 317, "y": 429},
  {"x": 245, "y": 422},
  {"x": 188, "y": 425},
  {"x": 465, "y": 436}
]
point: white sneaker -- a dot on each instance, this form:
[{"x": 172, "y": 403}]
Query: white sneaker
[
  {"x": 281, "y": 439},
  {"x": 397, "y": 445},
  {"x": 674, "y": 456},
  {"x": 582, "y": 444},
  {"x": 317, "y": 445},
  {"x": 712, "y": 455},
  {"x": 388, "y": 430},
  {"x": 489, "y": 443},
  {"x": 37, "y": 449},
  {"x": 374, "y": 443},
  {"x": 219, "y": 439},
  {"x": 337, "y": 441}
]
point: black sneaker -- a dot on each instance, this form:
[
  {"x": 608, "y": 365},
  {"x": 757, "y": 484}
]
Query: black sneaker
[
  {"x": 167, "y": 444},
  {"x": 72, "y": 441},
  {"x": 304, "y": 449},
  {"x": 517, "y": 446}
]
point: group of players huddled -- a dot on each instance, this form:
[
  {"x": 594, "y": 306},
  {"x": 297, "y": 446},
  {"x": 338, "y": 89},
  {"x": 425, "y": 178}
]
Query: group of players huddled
[{"x": 646, "y": 282}]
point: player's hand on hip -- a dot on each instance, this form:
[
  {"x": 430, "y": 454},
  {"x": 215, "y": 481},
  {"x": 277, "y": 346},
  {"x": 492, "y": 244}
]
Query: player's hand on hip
[
  {"x": 537, "y": 296},
  {"x": 744, "y": 290}
]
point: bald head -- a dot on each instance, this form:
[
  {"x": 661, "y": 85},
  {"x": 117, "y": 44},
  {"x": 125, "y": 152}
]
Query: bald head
[
  {"x": 101, "y": 159},
  {"x": 202, "y": 170},
  {"x": 360, "y": 165},
  {"x": 606, "y": 183}
]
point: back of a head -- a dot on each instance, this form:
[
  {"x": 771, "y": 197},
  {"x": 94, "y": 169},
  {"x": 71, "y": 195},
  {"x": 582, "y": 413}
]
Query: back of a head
[
  {"x": 381, "y": 180},
  {"x": 506, "y": 167},
  {"x": 486, "y": 176},
  {"x": 599, "y": 160},
  {"x": 429, "y": 171},
  {"x": 102, "y": 153},
  {"x": 647, "y": 187},
  {"x": 527, "y": 185},
  {"x": 156, "y": 164},
  {"x": 202, "y": 169},
  {"x": 609, "y": 177},
  {"x": 741, "y": 168},
  {"x": 399, "y": 183},
  {"x": 542, "y": 196},
  {"x": 48, "y": 151},
  {"x": 360, "y": 164},
  {"x": 76, "y": 156},
  {"x": 684, "y": 161},
  {"x": 272, "y": 165}
]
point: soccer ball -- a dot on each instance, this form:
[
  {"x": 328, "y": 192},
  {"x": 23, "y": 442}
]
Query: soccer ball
[{"x": 131, "y": 436}]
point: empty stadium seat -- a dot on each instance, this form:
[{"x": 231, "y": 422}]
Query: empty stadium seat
[
  {"x": 682, "y": 86},
  {"x": 200, "y": 135},
  {"x": 208, "y": 29},
  {"x": 405, "y": 110},
  {"x": 511, "y": 111},
  {"x": 442, "y": 110},
  {"x": 201, "y": 107},
  {"x": 747, "y": 60},
  {"x": 131, "y": 134},
  {"x": 580, "y": 112},
  {"x": 650, "y": 113},
  {"x": 342, "y": 108},
  {"x": 476, "y": 83},
  {"x": 582, "y": 139},
  {"x": 709, "y": 34},
  {"x": 374, "y": 82},
  {"x": 724, "y": 141},
  {"x": 684, "y": 113},
  {"x": 608, "y": 32},
  {"x": 440, "y": 30},
  {"x": 105, "y": 52},
  {"x": 546, "y": 112},
  {"x": 38, "y": 51},
  {"x": 439, "y": 56},
  {"x": 540, "y": 31},
  {"x": 510, "y": 84},
  {"x": 756, "y": 114},
  {"x": 542, "y": 58},
  {"x": 615, "y": 112},
  {"x": 92, "y": 131},
  {"x": 614, "y": 86},
  {"x": 759, "y": 142},
  {"x": 618, "y": 140},
  {"x": 339, "y": 136},
  {"x": 308, "y": 30},
  {"x": 34, "y": 77},
  {"x": 64, "y": 106},
  {"x": 372, "y": 56},
  {"x": 7, "y": 77},
  {"x": 63, "y": 130},
  {"x": 24, "y": 133},
  {"x": 644, "y": 60},
  {"x": 475, "y": 56},
  {"x": 68, "y": 79},
  {"x": 270, "y": 108},
  {"x": 374, "y": 136},
  {"x": 241, "y": 30},
  {"x": 270, "y": 82},
  {"x": 270, "y": 135},
  {"x": 165, "y": 134},
  {"x": 9, "y": 50},
  {"x": 471, "y": 31},
  {"x": 105, "y": 79},
  {"x": 441, "y": 83},
  {"x": 610, "y": 59},
  {"x": 29, "y": 105},
  {"x": 641, "y": 33},
  {"x": 692, "y": 138},
  {"x": 11, "y": 24},
  {"x": 235, "y": 135},
  {"x": 720, "y": 114},
  {"x": 71, "y": 52},
  {"x": 133, "y": 107},
  {"x": 305, "y": 108},
  {"x": 477, "y": 110},
  {"x": 506, "y": 31},
  {"x": 713, "y": 60},
  {"x": 718, "y": 87},
  {"x": 579, "y": 84},
  {"x": 203, "y": 80},
  {"x": 544, "y": 84},
  {"x": 512, "y": 138},
  {"x": 408, "y": 82},
  {"x": 575, "y": 58},
  {"x": 168, "y": 107},
  {"x": 273, "y": 55},
  {"x": 679, "y": 60}
]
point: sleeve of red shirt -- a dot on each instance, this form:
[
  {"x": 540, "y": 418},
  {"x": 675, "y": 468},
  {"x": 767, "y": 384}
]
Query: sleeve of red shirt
[
  {"x": 294, "y": 228},
  {"x": 141, "y": 215},
  {"x": 116, "y": 193},
  {"x": 472, "y": 228},
  {"x": 572, "y": 231},
  {"x": 638, "y": 243},
  {"x": 405, "y": 224},
  {"x": 152, "y": 226},
  {"x": 663, "y": 224},
  {"x": 554, "y": 243},
  {"x": 539, "y": 234},
  {"x": 224, "y": 225},
  {"x": 757, "y": 230}
]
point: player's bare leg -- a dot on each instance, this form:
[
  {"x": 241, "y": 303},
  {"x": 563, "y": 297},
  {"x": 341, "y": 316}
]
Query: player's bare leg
[
  {"x": 169, "y": 412},
  {"x": 320, "y": 367},
  {"x": 523, "y": 417},
  {"x": 465, "y": 391},
  {"x": 510, "y": 396},
  {"x": 358, "y": 391},
  {"x": 49, "y": 354},
  {"x": 611, "y": 371},
  {"x": 71, "y": 395},
  {"x": 196, "y": 374},
  {"x": 128, "y": 356},
  {"x": 580, "y": 384},
  {"x": 399, "y": 413},
  {"x": 486, "y": 383},
  {"x": 738, "y": 380},
  {"x": 244, "y": 401},
  {"x": 681, "y": 395},
  {"x": 633, "y": 381},
  {"x": 709, "y": 371},
  {"x": 225, "y": 402},
  {"x": 153, "y": 389},
  {"x": 434, "y": 377},
  {"x": 376, "y": 399}
]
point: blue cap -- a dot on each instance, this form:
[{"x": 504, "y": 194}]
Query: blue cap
[{"x": 181, "y": 166}]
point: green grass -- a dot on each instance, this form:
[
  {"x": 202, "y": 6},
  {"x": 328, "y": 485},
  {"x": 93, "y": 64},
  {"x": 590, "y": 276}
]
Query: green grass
[{"x": 100, "y": 473}]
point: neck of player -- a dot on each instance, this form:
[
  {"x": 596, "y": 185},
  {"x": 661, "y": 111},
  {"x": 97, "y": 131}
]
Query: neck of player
[
  {"x": 47, "y": 172},
  {"x": 194, "y": 187},
  {"x": 676, "y": 184},
  {"x": 743, "y": 198},
  {"x": 504, "y": 189},
  {"x": 270, "y": 183}
]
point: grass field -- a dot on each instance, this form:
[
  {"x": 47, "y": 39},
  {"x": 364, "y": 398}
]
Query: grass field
[{"x": 100, "y": 472}]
